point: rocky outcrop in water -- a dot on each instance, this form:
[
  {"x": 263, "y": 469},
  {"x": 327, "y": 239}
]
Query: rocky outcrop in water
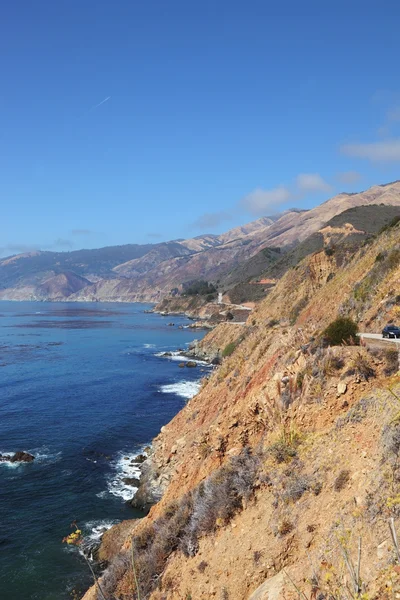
[{"x": 19, "y": 456}]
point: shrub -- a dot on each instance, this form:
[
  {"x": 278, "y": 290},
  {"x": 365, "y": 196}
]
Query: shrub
[
  {"x": 229, "y": 349},
  {"x": 199, "y": 288},
  {"x": 282, "y": 451},
  {"x": 361, "y": 366},
  {"x": 392, "y": 362},
  {"x": 285, "y": 527},
  {"x": 295, "y": 488},
  {"x": 300, "y": 379},
  {"x": 329, "y": 251},
  {"x": 218, "y": 498},
  {"x": 202, "y": 566},
  {"x": 340, "y": 331},
  {"x": 273, "y": 322},
  {"x": 391, "y": 441},
  {"x": 341, "y": 480},
  {"x": 215, "y": 501}
]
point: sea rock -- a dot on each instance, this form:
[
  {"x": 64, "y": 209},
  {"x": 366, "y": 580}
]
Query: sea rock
[
  {"x": 167, "y": 354},
  {"x": 149, "y": 492},
  {"x": 134, "y": 481},
  {"x": 140, "y": 458},
  {"x": 19, "y": 456},
  {"x": 191, "y": 364},
  {"x": 181, "y": 365}
]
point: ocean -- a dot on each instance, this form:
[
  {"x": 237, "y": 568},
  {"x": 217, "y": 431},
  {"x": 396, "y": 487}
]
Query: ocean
[{"x": 84, "y": 388}]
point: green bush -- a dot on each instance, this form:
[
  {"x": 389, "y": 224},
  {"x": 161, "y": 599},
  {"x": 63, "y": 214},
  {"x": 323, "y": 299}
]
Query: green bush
[
  {"x": 229, "y": 348},
  {"x": 199, "y": 288},
  {"x": 340, "y": 331}
]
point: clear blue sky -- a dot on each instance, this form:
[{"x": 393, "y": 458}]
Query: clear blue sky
[{"x": 143, "y": 121}]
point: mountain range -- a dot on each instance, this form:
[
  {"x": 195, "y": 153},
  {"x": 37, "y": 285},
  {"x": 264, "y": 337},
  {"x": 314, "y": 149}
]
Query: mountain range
[{"x": 150, "y": 272}]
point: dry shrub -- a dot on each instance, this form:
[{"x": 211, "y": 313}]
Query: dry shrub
[
  {"x": 295, "y": 487},
  {"x": 391, "y": 361},
  {"x": 113, "y": 574},
  {"x": 356, "y": 413},
  {"x": 218, "y": 498},
  {"x": 362, "y": 367},
  {"x": 341, "y": 480},
  {"x": 282, "y": 451},
  {"x": 202, "y": 566},
  {"x": 215, "y": 501},
  {"x": 391, "y": 442},
  {"x": 285, "y": 527}
]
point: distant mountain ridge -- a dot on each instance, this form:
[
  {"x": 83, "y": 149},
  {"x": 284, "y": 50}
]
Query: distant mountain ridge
[{"x": 149, "y": 272}]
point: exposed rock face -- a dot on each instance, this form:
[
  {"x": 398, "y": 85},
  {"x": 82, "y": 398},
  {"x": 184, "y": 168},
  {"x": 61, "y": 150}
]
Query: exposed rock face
[
  {"x": 150, "y": 488},
  {"x": 113, "y": 539}
]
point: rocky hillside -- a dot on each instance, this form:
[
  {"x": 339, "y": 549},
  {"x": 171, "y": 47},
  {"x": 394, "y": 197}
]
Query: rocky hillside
[
  {"x": 149, "y": 272},
  {"x": 280, "y": 479}
]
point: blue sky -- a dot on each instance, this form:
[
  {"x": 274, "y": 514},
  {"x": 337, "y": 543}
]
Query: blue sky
[{"x": 133, "y": 121}]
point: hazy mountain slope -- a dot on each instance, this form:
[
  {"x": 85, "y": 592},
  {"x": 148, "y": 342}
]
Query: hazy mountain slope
[
  {"x": 62, "y": 285},
  {"x": 249, "y": 228},
  {"x": 149, "y": 272},
  {"x": 287, "y": 230},
  {"x": 291, "y": 228},
  {"x": 365, "y": 221}
]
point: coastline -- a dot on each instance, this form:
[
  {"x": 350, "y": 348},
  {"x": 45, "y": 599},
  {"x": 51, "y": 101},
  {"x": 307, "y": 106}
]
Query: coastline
[{"x": 151, "y": 482}]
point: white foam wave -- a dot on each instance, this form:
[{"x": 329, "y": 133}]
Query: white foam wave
[
  {"x": 180, "y": 357},
  {"x": 184, "y": 389},
  {"x": 124, "y": 468},
  {"x": 149, "y": 345},
  {"x": 97, "y": 528},
  {"x": 91, "y": 540}
]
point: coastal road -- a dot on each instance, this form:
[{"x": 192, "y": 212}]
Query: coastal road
[{"x": 378, "y": 336}]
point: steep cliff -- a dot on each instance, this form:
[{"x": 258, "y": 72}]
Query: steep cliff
[{"x": 281, "y": 477}]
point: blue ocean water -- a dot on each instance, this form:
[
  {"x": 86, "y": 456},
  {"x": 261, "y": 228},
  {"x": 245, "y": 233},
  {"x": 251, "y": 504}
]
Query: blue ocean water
[{"x": 81, "y": 388}]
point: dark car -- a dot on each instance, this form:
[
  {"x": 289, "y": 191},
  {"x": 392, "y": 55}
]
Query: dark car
[{"x": 391, "y": 331}]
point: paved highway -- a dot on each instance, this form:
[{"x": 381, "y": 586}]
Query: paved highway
[{"x": 378, "y": 336}]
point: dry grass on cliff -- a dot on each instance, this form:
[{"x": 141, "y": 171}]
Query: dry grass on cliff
[{"x": 200, "y": 512}]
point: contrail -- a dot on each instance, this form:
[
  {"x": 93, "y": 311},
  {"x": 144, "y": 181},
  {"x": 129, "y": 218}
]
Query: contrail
[{"x": 100, "y": 103}]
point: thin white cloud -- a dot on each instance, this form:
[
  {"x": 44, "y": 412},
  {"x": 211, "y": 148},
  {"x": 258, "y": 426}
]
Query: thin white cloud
[
  {"x": 348, "y": 177},
  {"x": 211, "y": 220},
  {"x": 100, "y": 103},
  {"x": 384, "y": 151},
  {"x": 259, "y": 201},
  {"x": 311, "y": 183}
]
